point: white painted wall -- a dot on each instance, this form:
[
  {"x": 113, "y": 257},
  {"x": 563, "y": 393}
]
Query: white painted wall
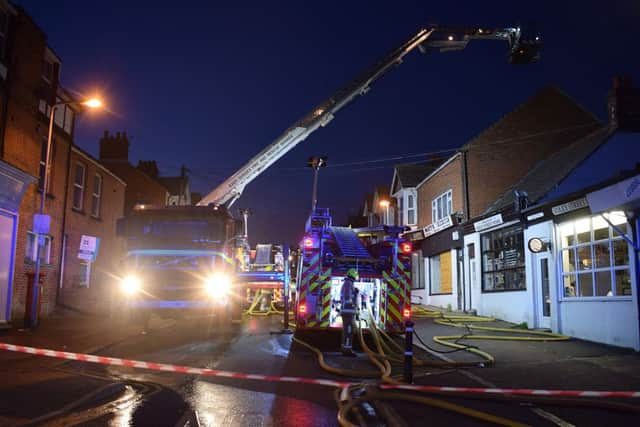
[{"x": 609, "y": 322}]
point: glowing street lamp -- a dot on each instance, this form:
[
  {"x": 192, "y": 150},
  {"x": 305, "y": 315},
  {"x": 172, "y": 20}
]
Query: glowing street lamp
[
  {"x": 385, "y": 204},
  {"x": 41, "y": 222}
]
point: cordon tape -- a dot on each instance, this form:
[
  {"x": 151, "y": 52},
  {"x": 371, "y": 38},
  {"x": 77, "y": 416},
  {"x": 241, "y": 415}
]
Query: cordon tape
[{"x": 115, "y": 361}]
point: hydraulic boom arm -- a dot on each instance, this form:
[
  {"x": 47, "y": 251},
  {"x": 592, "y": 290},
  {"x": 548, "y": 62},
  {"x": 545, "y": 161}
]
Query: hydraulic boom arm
[{"x": 523, "y": 48}]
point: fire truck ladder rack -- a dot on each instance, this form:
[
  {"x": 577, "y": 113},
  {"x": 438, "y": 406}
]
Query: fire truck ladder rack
[
  {"x": 348, "y": 242},
  {"x": 524, "y": 48}
]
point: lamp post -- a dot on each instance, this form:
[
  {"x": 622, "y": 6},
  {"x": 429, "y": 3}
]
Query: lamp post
[
  {"x": 385, "y": 205},
  {"x": 42, "y": 222},
  {"x": 316, "y": 163}
]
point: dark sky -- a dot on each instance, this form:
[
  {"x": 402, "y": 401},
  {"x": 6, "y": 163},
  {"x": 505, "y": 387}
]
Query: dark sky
[{"x": 209, "y": 84}]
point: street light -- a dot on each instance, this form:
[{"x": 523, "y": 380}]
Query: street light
[
  {"x": 42, "y": 222},
  {"x": 385, "y": 204}
]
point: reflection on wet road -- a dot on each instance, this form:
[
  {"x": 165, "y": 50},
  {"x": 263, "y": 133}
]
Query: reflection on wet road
[{"x": 172, "y": 399}]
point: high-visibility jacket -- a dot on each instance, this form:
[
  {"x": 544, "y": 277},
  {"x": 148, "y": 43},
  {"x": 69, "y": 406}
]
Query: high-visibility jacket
[{"x": 348, "y": 296}]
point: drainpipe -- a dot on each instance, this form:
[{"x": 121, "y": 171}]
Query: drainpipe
[
  {"x": 64, "y": 220},
  {"x": 465, "y": 185}
]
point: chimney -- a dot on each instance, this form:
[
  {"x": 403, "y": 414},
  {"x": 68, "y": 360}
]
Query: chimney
[
  {"x": 624, "y": 105},
  {"x": 114, "y": 148},
  {"x": 150, "y": 167}
]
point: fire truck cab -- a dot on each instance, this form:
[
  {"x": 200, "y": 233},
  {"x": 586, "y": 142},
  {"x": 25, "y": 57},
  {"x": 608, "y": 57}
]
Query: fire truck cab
[{"x": 382, "y": 258}]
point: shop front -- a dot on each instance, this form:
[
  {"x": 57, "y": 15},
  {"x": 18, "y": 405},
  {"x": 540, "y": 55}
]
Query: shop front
[{"x": 13, "y": 183}]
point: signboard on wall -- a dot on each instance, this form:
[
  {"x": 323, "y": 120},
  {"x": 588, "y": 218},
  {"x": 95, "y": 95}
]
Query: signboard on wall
[
  {"x": 623, "y": 195},
  {"x": 492, "y": 221},
  {"x": 88, "y": 250},
  {"x": 570, "y": 206},
  {"x": 437, "y": 226}
]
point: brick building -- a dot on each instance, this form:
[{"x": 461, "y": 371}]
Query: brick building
[
  {"x": 466, "y": 183},
  {"x": 30, "y": 84},
  {"x": 95, "y": 201},
  {"x": 143, "y": 187}
]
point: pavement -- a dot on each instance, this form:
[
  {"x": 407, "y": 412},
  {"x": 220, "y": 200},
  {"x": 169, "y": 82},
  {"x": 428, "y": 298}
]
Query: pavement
[{"x": 573, "y": 364}]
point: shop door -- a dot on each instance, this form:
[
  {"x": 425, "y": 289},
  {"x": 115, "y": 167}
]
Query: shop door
[
  {"x": 542, "y": 283},
  {"x": 7, "y": 230}
]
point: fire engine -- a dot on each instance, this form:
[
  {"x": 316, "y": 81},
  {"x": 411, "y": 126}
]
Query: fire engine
[
  {"x": 384, "y": 267},
  {"x": 382, "y": 258}
]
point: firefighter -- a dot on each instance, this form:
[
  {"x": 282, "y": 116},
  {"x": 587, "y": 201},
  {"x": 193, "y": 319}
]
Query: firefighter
[{"x": 348, "y": 307}]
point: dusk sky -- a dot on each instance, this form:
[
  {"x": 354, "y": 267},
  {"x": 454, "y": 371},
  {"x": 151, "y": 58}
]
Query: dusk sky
[{"x": 209, "y": 84}]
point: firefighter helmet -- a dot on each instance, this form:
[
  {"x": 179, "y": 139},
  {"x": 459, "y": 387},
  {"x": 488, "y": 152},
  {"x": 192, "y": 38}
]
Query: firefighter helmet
[{"x": 352, "y": 273}]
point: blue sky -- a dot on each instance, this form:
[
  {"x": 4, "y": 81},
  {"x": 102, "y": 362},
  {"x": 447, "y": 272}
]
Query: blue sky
[{"x": 209, "y": 84}]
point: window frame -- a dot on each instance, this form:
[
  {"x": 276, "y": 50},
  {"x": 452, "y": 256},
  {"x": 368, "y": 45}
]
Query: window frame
[
  {"x": 411, "y": 208},
  {"x": 593, "y": 269},
  {"x": 519, "y": 269},
  {"x": 81, "y": 187},
  {"x": 96, "y": 198},
  {"x": 440, "y": 204},
  {"x": 30, "y": 248}
]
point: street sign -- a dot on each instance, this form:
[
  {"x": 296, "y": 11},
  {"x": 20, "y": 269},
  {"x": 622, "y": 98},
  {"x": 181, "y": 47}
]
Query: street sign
[
  {"x": 41, "y": 224},
  {"x": 88, "y": 248}
]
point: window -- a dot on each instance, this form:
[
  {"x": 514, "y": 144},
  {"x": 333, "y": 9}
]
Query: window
[
  {"x": 441, "y": 206},
  {"x": 96, "y": 196},
  {"x": 84, "y": 274},
  {"x": 440, "y": 274},
  {"x": 43, "y": 162},
  {"x": 401, "y": 220},
  {"x": 59, "y": 114},
  {"x": 48, "y": 70},
  {"x": 68, "y": 120},
  {"x": 45, "y": 248},
  {"x": 411, "y": 210},
  {"x": 78, "y": 187},
  {"x": 595, "y": 257},
  {"x": 503, "y": 260},
  {"x": 4, "y": 26},
  {"x": 417, "y": 270}
]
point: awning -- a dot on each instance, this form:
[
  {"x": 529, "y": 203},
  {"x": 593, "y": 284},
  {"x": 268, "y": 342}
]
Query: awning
[{"x": 624, "y": 195}]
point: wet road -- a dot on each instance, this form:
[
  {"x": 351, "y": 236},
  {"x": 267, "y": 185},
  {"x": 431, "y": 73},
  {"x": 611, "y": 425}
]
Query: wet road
[
  {"x": 159, "y": 398},
  {"x": 120, "y": 396}
]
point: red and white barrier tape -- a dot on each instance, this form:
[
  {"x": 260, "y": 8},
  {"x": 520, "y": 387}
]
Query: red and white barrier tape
[
  {"x": 513, "y": 391},
  {"x": 103, "y": 360}
]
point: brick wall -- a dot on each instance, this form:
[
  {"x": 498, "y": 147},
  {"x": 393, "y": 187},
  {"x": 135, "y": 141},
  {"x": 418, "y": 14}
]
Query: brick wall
[
  {"x": 140, "y": 187},
  {"x": 447, "y": 178},
  {"x": 24, "y": 134},
  {"x": 500, "y": 156},
  {"x": 78, "y": 222}
]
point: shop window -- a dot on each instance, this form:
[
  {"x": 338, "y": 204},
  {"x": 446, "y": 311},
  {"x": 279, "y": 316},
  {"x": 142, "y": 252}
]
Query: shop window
[
  {"x": 503, "y": 260},
  {"x": 440, "y": 274},
  {"x": 45, "y": 248},
  {"x": 595, "y": 257}
]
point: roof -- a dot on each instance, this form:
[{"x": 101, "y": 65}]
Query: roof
[
  {"x": 410, "y": 175},
  {"x": 97, "y": 162},
  {"x": 546, "y": 175},
  {"x": 548, "y": 112},
  {"x": 175, "y": 184}
]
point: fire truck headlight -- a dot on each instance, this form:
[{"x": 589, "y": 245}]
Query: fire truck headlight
[
  {"x": 130, "y": 284},
  {"x": 218, "y": 285}
]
